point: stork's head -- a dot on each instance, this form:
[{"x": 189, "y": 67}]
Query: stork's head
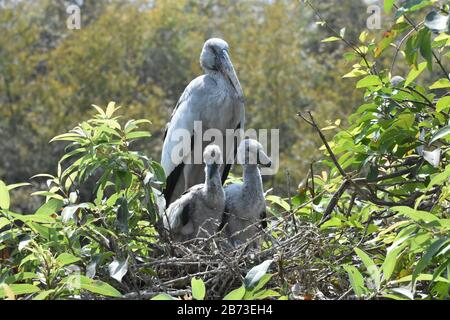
[
  {"x": 252, "y": 152},
  {"x": 215, "y": 57},
  {"x": 212, "y": 157}
]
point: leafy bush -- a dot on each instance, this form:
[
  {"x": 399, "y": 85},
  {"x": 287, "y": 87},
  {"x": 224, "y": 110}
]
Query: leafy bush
[
  {"x": 371, "y": 220},
  {"x": 69, "y": 248},
  {"x": 385, "y": 197}
]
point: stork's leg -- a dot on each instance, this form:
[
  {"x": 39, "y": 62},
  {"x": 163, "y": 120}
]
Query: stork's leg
[{"x": 230, "y": 158}]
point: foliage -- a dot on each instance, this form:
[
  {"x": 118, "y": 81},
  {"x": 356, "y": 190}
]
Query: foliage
[
  {"x": 68, "y": 248},
  {"x": 105, "y": 247},
  {"x": 370, "y": 221},
  {"x": 385, "y": 197}
]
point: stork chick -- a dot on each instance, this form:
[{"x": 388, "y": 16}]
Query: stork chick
[
  {"x": 199, "y": 210},
  {"x": 245, "y": 204}
]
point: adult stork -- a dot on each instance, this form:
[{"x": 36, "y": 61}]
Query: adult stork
[{"x": 215, "y": 100}]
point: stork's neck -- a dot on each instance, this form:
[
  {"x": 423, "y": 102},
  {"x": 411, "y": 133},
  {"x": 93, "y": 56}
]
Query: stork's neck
[
  {"x": 220, "y": 79},
  {"x": 252, "y": 179},
  {"x": 212, "y": 178},
  {"x": 212, "y": 72}
]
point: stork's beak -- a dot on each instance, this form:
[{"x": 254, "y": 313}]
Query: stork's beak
[
  {"x": 228, "y": 70},
  {"x": 264, "y": 160}
]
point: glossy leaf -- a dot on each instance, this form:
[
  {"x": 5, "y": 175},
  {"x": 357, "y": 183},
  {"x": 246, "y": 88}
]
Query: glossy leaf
[
  {"x": 236, "y": 294},
  {"x": 198, "y": 289},
  {"x": 4, "y": 196}
]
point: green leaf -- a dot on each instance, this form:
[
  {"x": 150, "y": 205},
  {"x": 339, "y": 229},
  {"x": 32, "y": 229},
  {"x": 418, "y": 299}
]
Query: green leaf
[
  {"x": 236, "y": 294},
  {"x": 282, "y": 203},
  {"x": 440, "y": 84},
  {"x": 441, "y": 133},
  {"x": 198, "y": 289},
  {"x": 66, "y": 258},
  {"x": 262, "y": 282},
  {"x": 4, "y": 222},
  {"x": 333, "y": 222},
  {"x": 356, "y": 280},
  {"x": 369, "y": 81},
  {"x": 355, "y": 73},
  {"x": 110, "y": 109},
  {"x": 392, "y": 256},
  {"x": 422, "y": 277},
  {"x": 411, "y": 49},
  {"x": 137, "y": 134},
  {"x": 42, "y": 175},
  {"x": 263, "y": 294},
  {"x": 122, "y": 215},
  {"x": 443, "y": 104},
  {"x": 441, "y": 177},
  {"x": 31, "y": 217},
  {"x": 411, "y": 6},
  {"x": 159, "y": 171},
  {"x": 4, "y": 196},
  {"x": 363, "y": 36},
  {"x": 43, "y": 294},
  {"x": 371, "y": 267},
  {"x": 425, "y": 47},
  {"x": 94, "y": 286},
  {"x": 17, "y": 185},
  {"x": 389, "y": 263},
  {"x": 331, "y": 39},
  {"x": 50, "y": 207},
  {"x": 66, "y": 137},
  {"x": 99, "y": 110},
  {"x": 388, "y": 4},
  {"x": 256, "y": 273},
  {"x": 47, "y": 194},
  {"x": 415, "y": 215},
  {"x": 428, "y": 256},
  {"x": 19, "y": 289},
  {"x": 163, "y": 296},
  {"x": 21, "y": 276},
  {"x": 414, "y": 73}
]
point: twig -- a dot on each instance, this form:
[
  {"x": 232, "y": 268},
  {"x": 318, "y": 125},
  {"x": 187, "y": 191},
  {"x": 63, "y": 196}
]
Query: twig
[
  {"x": 290, "y": 200},
  {"x": 334, "y": 200}
]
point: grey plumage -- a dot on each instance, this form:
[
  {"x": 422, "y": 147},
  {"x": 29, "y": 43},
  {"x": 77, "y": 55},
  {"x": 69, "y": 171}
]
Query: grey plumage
[
  {"x": 197, "y": 213},
  {"x": 245, "y": 204},
  {"x": 215, "y": 99}
]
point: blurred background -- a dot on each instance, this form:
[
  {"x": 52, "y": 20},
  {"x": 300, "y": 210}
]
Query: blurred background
[{"x": 142, "y": 54}]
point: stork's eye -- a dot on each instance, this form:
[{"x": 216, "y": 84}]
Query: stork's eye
[{"x": 213, "y": 49}]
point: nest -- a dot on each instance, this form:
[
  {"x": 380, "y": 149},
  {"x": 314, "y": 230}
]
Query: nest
[{"x": 300, "y": 268}]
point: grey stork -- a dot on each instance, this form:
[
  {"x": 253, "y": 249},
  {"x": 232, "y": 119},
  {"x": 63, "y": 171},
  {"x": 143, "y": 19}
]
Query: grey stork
[
  {"x": 216, "y": 100},
  {"x": 245, "y": 203},
  {"x": 198, "y": 212}
]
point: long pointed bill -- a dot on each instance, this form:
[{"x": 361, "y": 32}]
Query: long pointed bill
[
  {"x": 264, "y": 160},
  {"x": 227, "y": 68}
]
